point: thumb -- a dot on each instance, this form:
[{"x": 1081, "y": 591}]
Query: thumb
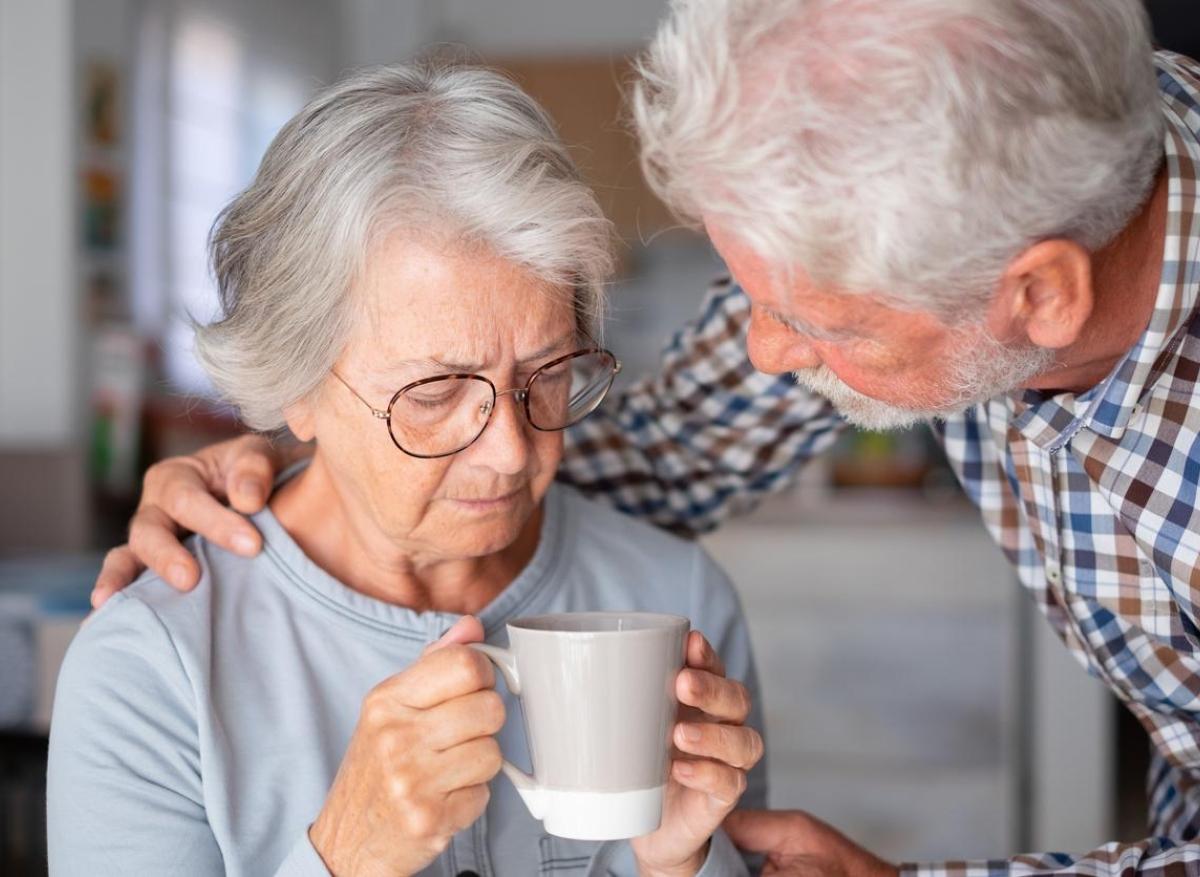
[
  {"x": 766, "y": 831},
  {"x": 250, "y": 475},
  {"x": 467, "y": 629}
]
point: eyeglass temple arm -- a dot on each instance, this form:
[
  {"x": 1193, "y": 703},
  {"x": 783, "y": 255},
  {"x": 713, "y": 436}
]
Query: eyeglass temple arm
[{"x": 375, "y": 412}]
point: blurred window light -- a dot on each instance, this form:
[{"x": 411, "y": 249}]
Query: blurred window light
[
  {"x": 206, "y": 120},
  {"x": 212, "y": 88}
]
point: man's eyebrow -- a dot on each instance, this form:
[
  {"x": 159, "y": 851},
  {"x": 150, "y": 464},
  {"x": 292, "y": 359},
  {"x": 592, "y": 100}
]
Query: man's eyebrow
[{"x": 808, "y": 329}]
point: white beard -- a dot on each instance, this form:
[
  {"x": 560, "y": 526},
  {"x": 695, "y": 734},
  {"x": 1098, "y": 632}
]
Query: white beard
[{"x": 987, "y": 368}]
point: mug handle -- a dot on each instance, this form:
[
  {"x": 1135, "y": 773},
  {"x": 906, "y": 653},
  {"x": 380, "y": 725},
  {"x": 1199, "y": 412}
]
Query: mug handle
[{"x": 527, "y": 787}]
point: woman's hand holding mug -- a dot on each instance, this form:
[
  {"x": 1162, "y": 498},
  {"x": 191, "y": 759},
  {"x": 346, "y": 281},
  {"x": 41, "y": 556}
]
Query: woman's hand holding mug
[
  {"x": 714, "y": 751},
  {"x": 418, "y": 764}
]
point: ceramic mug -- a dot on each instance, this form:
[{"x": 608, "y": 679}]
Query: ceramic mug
[{"x": 597, "y": 692}]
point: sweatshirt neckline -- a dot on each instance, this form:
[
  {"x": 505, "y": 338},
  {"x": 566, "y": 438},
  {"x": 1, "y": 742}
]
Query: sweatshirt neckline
[{"x": 523, "y": 595}]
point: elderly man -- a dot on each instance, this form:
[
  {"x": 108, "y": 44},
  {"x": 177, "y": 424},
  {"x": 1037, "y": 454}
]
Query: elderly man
[{"x": 978, "y": 213}]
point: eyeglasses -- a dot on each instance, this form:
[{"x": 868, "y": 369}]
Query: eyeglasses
[{"x": 442, "y": 415}]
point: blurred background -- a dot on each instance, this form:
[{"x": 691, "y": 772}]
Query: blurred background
[{"x": 913, "y": 698}]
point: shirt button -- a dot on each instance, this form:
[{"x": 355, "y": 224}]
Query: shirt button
[{"x": 1053, "y": 573}]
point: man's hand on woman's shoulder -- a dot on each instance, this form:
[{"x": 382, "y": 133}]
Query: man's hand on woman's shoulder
[{"x": 189, "y": 494}]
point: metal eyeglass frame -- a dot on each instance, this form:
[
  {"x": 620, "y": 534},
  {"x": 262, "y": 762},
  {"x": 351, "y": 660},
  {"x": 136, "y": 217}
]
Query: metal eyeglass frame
[{"x": 521, "y": 394}]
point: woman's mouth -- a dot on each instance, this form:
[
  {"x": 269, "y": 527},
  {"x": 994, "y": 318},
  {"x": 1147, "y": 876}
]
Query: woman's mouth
[{"x": 486, "y": 504}]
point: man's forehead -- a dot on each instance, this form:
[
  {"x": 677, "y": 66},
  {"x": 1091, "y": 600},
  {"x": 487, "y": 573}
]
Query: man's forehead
[
  {"x": 791, "y": 291},
  {"x": 799, "y": 297}
]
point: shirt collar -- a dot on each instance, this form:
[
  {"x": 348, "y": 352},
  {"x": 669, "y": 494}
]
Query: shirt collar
[{"x": 1051, "y": 421}]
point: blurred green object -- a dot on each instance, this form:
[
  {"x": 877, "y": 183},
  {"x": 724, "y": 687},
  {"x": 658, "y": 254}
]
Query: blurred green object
[
  {"x": 100, "y": 448},
  {"x": 903, "y": 459}
]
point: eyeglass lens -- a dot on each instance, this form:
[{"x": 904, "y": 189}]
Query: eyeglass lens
[{"x": 445, "y": 415}]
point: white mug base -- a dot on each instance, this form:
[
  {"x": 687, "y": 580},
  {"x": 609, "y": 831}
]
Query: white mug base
[{"x": 602, "y": 815}]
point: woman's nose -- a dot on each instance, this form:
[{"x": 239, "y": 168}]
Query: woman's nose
[
  {"x": 504, "y": 445},
  {"x": 775, "y": 349}
]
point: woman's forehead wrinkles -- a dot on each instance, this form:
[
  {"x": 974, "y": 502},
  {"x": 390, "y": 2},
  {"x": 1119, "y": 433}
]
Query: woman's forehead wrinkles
[{"x": 478, "y": 357}]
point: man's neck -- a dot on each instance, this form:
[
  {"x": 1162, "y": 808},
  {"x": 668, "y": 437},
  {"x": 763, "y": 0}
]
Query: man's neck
[{"x": 1126, "y": 275}]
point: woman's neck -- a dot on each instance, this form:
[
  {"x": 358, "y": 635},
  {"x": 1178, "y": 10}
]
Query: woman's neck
[{"x": 347, "y": 544}]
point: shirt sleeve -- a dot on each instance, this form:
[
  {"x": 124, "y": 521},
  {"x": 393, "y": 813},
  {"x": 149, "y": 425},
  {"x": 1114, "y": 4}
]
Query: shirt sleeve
[
  {"x": 123, "y": 788},
  {"x": 707, "y": 437},
  {"x": 303, "y": 861},
  {"x": 724, "y": 859},
  {"x": 1172, "y": 850}
]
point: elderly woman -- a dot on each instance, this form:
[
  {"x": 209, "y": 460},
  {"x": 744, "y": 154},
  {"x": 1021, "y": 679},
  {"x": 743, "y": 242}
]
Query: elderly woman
[{"x": 412, "y": 282}]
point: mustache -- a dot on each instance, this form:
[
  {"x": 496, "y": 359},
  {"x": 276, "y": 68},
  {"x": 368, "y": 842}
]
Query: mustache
[{"x": 981, "y": 371}]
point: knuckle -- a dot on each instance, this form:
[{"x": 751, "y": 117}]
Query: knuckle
[
  {"x": 493, "y": 710},
  {"x": 490, "y": 757},
  {"x": 252, "y": 447},
  {"x": 473, "y": 667},
  {"x": 739, "y": 783},
  {"x": 253, "y": 463},
  {"x": 421, "y": 820},
  {"x": 392, "y": 744},
  {"x": 756, "y": 749},
  {"x": 699, "y": 686},
  {"x": 400, "y": 788},
  {"x": 156, "y": 473},
  {"x": 742, "y": 702},
  {"x": 140, "y": 527},
  {"x": 178, "y": 502},
  {"x": 483, "y": 675},
  {"x": 458, "y": 658},
  {"x": 376, "y": 713}
]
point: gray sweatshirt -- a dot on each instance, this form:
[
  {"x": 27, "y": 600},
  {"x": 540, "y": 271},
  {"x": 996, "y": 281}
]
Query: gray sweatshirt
[{"x": 198, "y": 733}]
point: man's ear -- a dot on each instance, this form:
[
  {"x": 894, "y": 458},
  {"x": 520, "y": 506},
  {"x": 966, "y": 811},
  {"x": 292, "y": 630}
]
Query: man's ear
[
  {"x": 300, "y": 420},
  {"x": 1046, "y": 295}
]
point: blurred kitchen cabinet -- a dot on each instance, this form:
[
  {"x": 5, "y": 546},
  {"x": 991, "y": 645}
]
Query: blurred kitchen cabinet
[{"x": 898, "y": 663}]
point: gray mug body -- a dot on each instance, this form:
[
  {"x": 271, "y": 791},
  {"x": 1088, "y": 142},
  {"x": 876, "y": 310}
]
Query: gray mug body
[{"x": 597, "y": 692}]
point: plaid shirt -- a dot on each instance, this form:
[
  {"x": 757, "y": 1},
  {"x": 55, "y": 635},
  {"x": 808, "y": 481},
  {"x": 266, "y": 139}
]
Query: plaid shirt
[{"x": 1092, "y": 496}]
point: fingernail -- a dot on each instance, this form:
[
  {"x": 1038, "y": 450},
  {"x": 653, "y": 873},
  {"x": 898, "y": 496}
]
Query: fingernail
[
  {"x": 684, "y": 768},
  {"x": 249, "y": 489},
  {"x": 244, "y": 544},
  {"x": 690, "y": 733},
  {"x": 179, "y": 576},
  {"x": 455, "y": 626},
  {"x": 98, "y": 597}
]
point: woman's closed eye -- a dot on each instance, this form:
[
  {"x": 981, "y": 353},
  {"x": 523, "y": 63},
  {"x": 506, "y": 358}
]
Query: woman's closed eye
[
  {"x": 557, "y": 373},
  {"x": 432, "y": 396}
]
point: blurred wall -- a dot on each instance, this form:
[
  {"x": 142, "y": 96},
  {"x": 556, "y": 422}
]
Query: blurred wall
[
  {"x": 41, "y": 469},
  {"x": 379, "y": 31},
  {"x": 38, "y": 381}
]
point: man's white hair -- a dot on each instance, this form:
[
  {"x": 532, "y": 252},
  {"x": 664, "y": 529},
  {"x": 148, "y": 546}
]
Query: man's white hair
[
  {"x": 910, "y": 148},
  {"x": 456, "y": 151}
]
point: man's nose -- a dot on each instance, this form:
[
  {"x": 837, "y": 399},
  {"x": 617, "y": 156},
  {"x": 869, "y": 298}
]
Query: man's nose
[{"x": 775, "y": 349}]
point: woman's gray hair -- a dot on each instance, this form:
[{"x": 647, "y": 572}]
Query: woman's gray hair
[
  {"x": 910, "y": 148},
  {"x": 463, "y": 151}
]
